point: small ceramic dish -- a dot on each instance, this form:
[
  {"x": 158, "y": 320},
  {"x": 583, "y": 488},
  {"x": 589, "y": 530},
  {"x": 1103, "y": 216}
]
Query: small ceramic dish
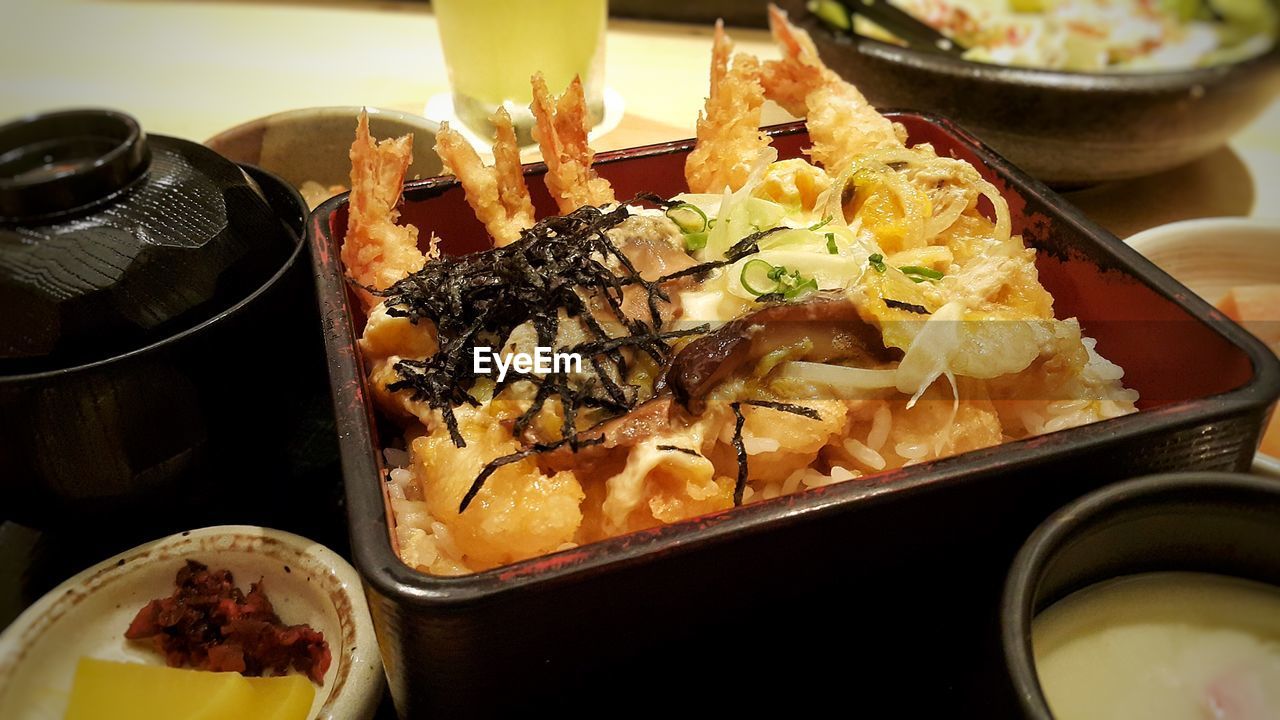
[
  {"x": 310, "y": 145},
  {"x": 1212, "y": 255},
  {"x": 1217, "y": 523},
  {"x": 86, "y": 616}
]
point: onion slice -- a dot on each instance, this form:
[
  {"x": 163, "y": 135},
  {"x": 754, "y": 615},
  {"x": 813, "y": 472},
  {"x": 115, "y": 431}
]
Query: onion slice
[{"x": 838, "y": 377}]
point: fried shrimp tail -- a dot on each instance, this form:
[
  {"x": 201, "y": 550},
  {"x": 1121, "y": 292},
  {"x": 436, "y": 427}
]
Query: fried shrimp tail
[
  {"x": 512, "y": 190},
  {"x": 376, "y": 250},
  {"x": 842, "y": 124},
  {"x": 561, "y": 132},
  {"x": 497, "y": 194},
  {"x": 800, "y": 73},
  {"x": 729, "y": 137}
]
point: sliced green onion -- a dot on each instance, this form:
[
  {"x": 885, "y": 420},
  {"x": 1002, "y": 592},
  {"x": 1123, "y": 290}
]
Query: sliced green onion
[
  {"x": 695, "y": 241},
  {"x": 803, "y": 288},
  {"x": 763, "y": 278},
  {"x": 689, "y": 218},
  {"x": 920, "y": 274},
  {"x": 756, "y": 275},
  {"x": 831, "y": 244},
  {"x": 825, "y": 221},
  {"x": 877, "y": 262}
]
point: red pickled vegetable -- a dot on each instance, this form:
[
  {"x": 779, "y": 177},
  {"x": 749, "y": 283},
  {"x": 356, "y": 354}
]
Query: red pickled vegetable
[{"x": 209, "y": 624}]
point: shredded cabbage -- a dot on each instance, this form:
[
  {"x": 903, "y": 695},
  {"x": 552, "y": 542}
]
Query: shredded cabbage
[
  {"x": 733, "y": 219},
  {"x": 929, "y": 356}
]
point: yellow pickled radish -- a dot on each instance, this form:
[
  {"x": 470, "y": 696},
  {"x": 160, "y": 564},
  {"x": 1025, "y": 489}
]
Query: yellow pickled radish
[
  {"x": 277, "y": 700},
  {"x": 105, "y": 690}
]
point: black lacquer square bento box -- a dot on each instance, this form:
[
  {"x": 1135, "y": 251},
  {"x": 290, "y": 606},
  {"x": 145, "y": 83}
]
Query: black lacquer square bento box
[{"x": 898, "y": 572}]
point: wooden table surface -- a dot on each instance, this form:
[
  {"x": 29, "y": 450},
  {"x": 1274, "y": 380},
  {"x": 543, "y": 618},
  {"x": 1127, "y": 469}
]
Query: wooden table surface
[{"x": 194, "y": 67}]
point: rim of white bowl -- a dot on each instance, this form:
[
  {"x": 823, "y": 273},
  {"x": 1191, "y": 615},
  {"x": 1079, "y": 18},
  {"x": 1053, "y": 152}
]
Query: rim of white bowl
[{"x": 1141, "y": 240}]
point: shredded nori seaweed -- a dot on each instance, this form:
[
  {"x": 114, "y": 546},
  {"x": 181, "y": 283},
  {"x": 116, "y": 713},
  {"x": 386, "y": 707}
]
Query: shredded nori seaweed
[
  {"x": 677, "y": 448},
  {"x": 492, "y": 466},
  {"x": 562, "y": 263},
  {"x": 478, "y": 299},
  {"x": 909, "y": 307},
  {"x": 657, "y": 199},
  {"x": 748, "y": 245},
  {"x": 786, "y": 407},
  {"x": 741, "y": 449}
]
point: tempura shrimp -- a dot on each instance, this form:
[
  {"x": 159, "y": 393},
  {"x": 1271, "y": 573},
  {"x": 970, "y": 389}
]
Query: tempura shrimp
[
  {"x": 842, "y": 124},
  {"x": 376, "y": 250},
  {"x": 498, "y": 194},
  {"x": 729, "y": 137},
  {"x": 561, "y": 132}
]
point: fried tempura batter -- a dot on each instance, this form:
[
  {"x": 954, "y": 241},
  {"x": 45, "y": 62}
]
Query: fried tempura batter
[
  {"x": 519, "y": 513},
  {"x": 729, "y": 137},
  {"x": 497, "y": 194},
  {"x": 376, "y": 250},
  {"x": 842, "y": 124},
  {"x": 561, "y": 132}
]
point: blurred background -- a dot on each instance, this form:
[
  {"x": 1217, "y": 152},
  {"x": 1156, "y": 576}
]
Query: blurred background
[{"x": 194, "y": 68}]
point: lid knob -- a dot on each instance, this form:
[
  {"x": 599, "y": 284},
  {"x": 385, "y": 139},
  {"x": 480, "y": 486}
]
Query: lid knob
[{"x": 65, "y": 161}]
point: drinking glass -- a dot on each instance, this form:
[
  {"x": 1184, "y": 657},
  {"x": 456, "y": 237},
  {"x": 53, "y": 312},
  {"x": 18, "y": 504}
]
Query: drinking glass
[{"x": 492, "y": 48}]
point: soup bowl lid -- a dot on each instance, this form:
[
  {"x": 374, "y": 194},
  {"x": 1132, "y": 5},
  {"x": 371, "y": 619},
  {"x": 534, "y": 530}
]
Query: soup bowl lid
[{"x": 111, "y": 239}]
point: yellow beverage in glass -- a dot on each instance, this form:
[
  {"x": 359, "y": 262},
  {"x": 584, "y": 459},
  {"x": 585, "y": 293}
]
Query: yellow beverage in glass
[{"x": 493, "y": 47}]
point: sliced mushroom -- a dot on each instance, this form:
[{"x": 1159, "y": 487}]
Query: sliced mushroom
[
  {"x": 655, "y": 248},
  {"x": 642, "y": 422},
  {"x": 653, "y": 245},
  {"x": 828, "y": 320}
]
